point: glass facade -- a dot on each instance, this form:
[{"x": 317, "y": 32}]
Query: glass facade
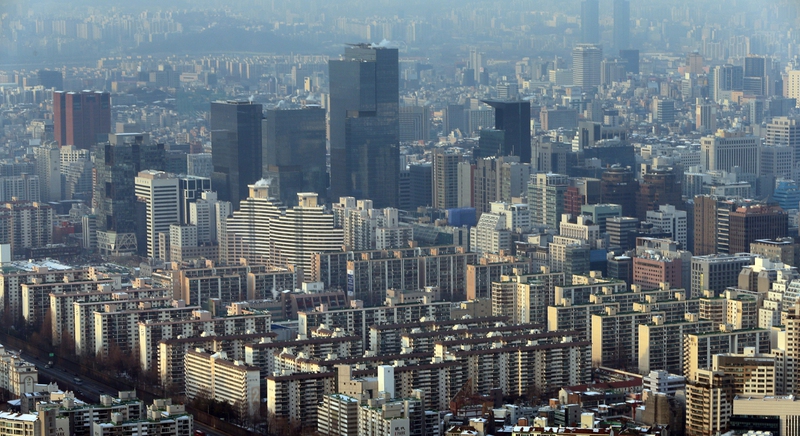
[
  {"x": 237, "y": 148},
  {"x": 294, "y": 152},
  {"x": 364, "y": 125}
]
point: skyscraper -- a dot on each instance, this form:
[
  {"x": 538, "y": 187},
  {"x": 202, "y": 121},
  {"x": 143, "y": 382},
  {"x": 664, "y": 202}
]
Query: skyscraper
[
  {"x": 445, "y": 179},
  {"x": 48, "y": 168},
  {"x": 513, "y": 118},
  {"x": 118, "y": 162},
  {"x": 294, "y": 152},
  {"x": 586, "y": 60},
  {"x": 725, "y": 150},
  {"x": 364, "y": 124},
  {"x": 590, "y": 21},
  {"x": 159, "y": 193},
  {"x": 723, "y": 79},
  {"x": 622, "y": 24},
  {"x": 236, "y": 148},
  {"x": 546, "y": 198},
  {"x": 658, "y": 187},
  {"x": 79, "y": 118},
  {"x": 618, "y": 186}
]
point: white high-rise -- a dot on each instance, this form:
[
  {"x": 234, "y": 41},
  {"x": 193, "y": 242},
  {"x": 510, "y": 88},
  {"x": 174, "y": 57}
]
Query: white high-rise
[
  {"x": 670, "y": 220},
  {"x": 208, "y": 213},
  {"x": 159, "y": 192},
  {"x": 247, "y": 231},
  {"x": 586, "y": 60},
  {"x": 303, "y": 230},
  {"x": 48, "y": 168}
]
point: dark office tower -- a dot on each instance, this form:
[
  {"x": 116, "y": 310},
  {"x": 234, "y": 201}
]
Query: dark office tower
[
  {"x": 236, "y": 148},
  {"x": 80, "y": 118},
  {"x": 705, "y": 225},
  {"x": 421, "y": 185},
  {"x": 590, "y": 21},
  {"x": 618, "y": 186},
  {"x": 294, "y": 152},
  {"x": 659, "y": 187},
  {"x": 117, "y": 163},
  {"x": 750, "y": 223},
  {"x": 755, "y": 75},
  {"x": 50, "y": 79},
  {"x": 454, "y": 119},
  {"x": 364, "y": 124},
  {"x": 513, "y": 119},
  {"x": 631, "y": 58},
  {"x": 622, "y": 24}
]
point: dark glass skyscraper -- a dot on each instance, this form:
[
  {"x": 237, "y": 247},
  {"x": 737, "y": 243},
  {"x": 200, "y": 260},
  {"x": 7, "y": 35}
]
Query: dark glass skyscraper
[
  {"x": 513, "y": 118},
  {"x": 590, "y": 22},
  {"x": 117, "y": 163},
  {"x": 622, "y": 24},
  {"x": 236, "y": 148},
  {"x": 364, "y": 124},
  {"x": 294, "y": 152}
]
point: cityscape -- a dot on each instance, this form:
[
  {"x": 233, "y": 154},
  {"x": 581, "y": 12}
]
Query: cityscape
[{"x": 388, "y": 218}]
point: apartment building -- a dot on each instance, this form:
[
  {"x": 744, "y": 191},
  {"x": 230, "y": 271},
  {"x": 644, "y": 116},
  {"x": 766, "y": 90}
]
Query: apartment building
[
  {"x": 196, "y": 323},
  {"x": 657, "y": 339},
  {"x": 84, "y": 322},
  {"x": 231, "y": 381},
  {"x": 162, "y": 418},
  {"x": 699, "y": 348},
  {"x": 12, "y": 279},
  {"x": 615, "y": 337},
  {"x": 171, "y": 353},
  {"x": 62, "y": 313}
]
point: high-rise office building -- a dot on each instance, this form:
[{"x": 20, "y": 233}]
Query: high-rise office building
[
  {"x": 658, "y": 187},
  {"x": 694, "y": 63},
  {"x": 546, "y": 198},
  {"x": 80, "y": 118},
  {"x": 51, "y": 79},
  {"x": 751, "y": 223},
  {"x": 118, "y": 161},
  {"x": 590, "y": 21},
  {"x": 705, "y": 117},
  {"x": 415, "y": 123},
  {"x": 48, "y": 168},
  {"x": 705, "y": 225},
  {"x": 586, "y": 60},
  {"x": 199, "y": 164},
  {"x": 631, "y": 58},
  {"x": 364, "y": 124},
  {"x": 618, "y": 186},
  {"x": 755, "y": 75},
  {"x": 672, "y": 221},
  {"x": 663, "y": 111},
  {"x": 208, "y": 214},
  {"x": 420, "y": 185},
  {"x": 513, "y": 119},
  {"x": 723, "y": 79},
  {"x": 159, "y": 193},
  {"x": 294, "y": 152},
  {"x": 726, "y": 150},
  {"x": 236, "y": 148},
  {"x": 622, "y": 24},
  {"x": 784, "y": 131},
  {"x": 445, "y": 179}
]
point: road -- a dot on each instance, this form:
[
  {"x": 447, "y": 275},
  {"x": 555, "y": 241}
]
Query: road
[{"x": 88, "y": 390}]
